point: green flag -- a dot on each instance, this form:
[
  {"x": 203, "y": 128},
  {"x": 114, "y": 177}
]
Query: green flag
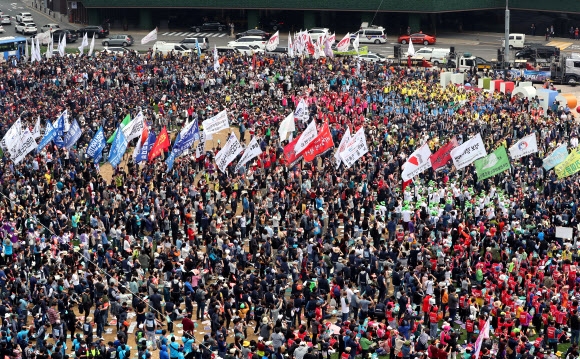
[
  {"x": 125, "y": 122},
  {"x": 492, "y": 164}
]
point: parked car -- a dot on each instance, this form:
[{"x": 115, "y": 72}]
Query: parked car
[
  {"x": 119, "y": 51},
  {"x": 248, "y": 49},
  {"x": 24, "y": 17},
  {"x": 274, "y": 25},
  {"x": 418, "y": 38},
  {"x": 222, "y": 50},
  {"x": 119, "y": 40},
  {"x": 209, "y": 26},
  {"x": 280, "y": 50},
  {"x": 373, "y": 35},
  {"x": 372, "y": 57},
  {"x": 71, "y": 36},
  {"x": 254, "y": 32},
  {"x": 249, "y": 40},
  {"x": 26, "y": 28},
  {"x": 316, "y": 32},
  {"x": 98, "y": 31},
  {"x": 5, "y": 20},
  {"x": 189, "y": 42},
  {"x": 168, "y": 47},
  {"x": 49, "y": 27}
]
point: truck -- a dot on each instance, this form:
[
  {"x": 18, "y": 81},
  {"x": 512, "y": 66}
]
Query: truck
[
  {"x": 566, "y": 69},
  {"x": 468, "y": 62}
]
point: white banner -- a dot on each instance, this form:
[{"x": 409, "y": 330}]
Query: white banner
[
  {"x": 417, "y": 163},
  {"x": 286, "y": 126},
  {"x": 356, "y": 148},
  {"x": 253, "y": 150},
  {"x": 231, "y": 149},
  {"x": 306, "y": 137},
  {"x": 343, "y": 143},
  {"x": 27, "y": 145},
  {"x": 344, "y": 43},
  {"x": 200, "y": 149},
  {"x": 564, "y": 232},
  {"x": 152, "y": 36},
  {"x": 216, "y": 124},
  {"x": 301, "y": 112},
  {"x": 12, "y": 138},
  {"x": 272, "y": 44},
  {"x": 134, "y": 128},
  {"x": 468, "y": 152},
  {"x": 36, "y": 131},
  {"x": 526, "y": 146}
]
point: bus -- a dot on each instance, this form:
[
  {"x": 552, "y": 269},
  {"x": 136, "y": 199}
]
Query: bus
[{"x": 12, "y": 46}]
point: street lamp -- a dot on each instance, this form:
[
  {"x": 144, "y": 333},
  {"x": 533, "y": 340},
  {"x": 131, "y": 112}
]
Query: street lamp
[{"x": 506, "y": 53}]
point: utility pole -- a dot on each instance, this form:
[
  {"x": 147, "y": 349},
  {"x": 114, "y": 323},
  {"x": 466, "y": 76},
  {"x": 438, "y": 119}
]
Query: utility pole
[{"x": 506, "y": 53}]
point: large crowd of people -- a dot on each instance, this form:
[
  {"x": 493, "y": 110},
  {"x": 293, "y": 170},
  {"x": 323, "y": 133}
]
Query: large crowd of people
[{"x": 305, "y": 260}]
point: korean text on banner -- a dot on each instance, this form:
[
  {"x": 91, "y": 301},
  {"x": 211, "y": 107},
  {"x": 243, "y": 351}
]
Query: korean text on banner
[
  {"x": 443, "y": 155},
  {"x": 227, "y": 154},
  {"x": 343, "y": 143},
  {"x": 291, "y": 157},
  {"x": 468, "y": 152},
  {"x": 556, "y": 157},
  {"x": 217, "y": 123},
  {"x": 525, "y": 146},
  {"x": 322, "y": 143},
  {"x": 569, "y": 166},
  {"x": 251, "y": 151},
  {"x": 306, "y": 137},
  {"x": 492, "y": 164},
  {"x": 27, "y": 145},
  {"x": 302, "y": 113},
  {"x": 356, "y": 148}
]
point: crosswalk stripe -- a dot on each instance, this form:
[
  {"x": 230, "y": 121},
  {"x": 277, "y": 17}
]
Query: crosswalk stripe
[
  {"x": 202, "y": 34},
  {"x": 561, "y": 44},
  {"x": 165, "y": 34},
  {"x": 179, "y": 34},
  {"x": 189, "y": 34},
  {"x": 221, "y": 35},
  {"x": 170, "y": 34}
]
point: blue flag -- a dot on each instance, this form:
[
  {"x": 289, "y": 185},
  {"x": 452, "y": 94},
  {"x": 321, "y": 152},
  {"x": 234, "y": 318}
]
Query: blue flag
[
  {"x": 73, "y": 135},
  {"x": 173, "y": 155},
  {"x": 97, "y": 145},
  {"x": 59, "y": 128},
  {"x": 195, "y": 130},
  {"x": 49, "y": 134},
  {"x": 118, "y": 148},
  {"x": 183, "y": 142},
  {"x": 146, "y": 147},
  {"x": 198, "y": 48}
]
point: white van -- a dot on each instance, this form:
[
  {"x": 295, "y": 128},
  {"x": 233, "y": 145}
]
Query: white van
[
  {"x": 166, "y": 47},
  {"x": 435, "y": 55},
  {"x": 370, "y": 35},
  {"x": 516, "y": 41}
]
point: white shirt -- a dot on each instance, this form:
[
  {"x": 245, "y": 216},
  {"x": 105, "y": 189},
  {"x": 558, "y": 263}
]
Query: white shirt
[{"x": 343, "y": 306}]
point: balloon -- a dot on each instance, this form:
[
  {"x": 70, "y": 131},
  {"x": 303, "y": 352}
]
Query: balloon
[{"x": 578, "y": 109}]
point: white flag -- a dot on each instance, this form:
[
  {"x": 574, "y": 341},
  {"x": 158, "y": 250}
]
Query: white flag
[
  {"x": 417, "y": 163},
  {"x": 92, "y": 47},
  {"x": 411, "y": 50},
  {"x": 216, "y": 124},
  {"x": 32, "y": 51},
  {"x": 306, "y": 137},
  {"x": 526, "y": 146},
  {"x": 62, "y": 46},
  {"x": 25, "y": 146},
  {"x": 36, "y": 131},
  {"x": 137, "y": 149},
  {"x": 301, "y": 112},
  {"x": 331, "y": 39},
  {"x": 50, "y": 48},
  {"x": 356, "y": 148},
  {"x": 38, "y": 54},
  {"x": 286, "y": 126},
  {"x": 344, "y": 43},
  {"x": 26, "y": 53},
  {"x": 231, "y": 149},
  {"x": 272, "y": 44},
  {"x": 216, "y": 59},
  {"x": 134, "y": 128},
  {"x": 84, "y": 43},
  {"x": 469, "y": 151},
  {"x": 253, "y": 150},
  {"x": 13, "y": 137},
  {"x": 355, "y": 43},
  {"x": 290, "y": 46},
  {"x": 343, "y": 143},
  {"x": 152, "y": 36}
]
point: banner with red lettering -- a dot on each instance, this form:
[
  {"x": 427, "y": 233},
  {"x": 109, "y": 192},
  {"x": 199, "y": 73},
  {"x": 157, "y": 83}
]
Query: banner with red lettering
[
  {"x": 290, "y": 155},
  {"x": 443, "y": 155},
  {"x": 322, "y": 143}
]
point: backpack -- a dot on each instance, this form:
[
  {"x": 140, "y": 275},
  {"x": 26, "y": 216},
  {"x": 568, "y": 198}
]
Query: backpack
[
  {"x": 150, "y": 325},
  {"x": 336, "y": 291},
  {"x": 199, "y": 295}
]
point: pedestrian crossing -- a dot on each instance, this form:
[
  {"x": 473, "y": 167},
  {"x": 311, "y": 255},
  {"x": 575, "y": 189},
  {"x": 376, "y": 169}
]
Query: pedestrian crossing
[
  {"x": 561, "y": 44},
  {"x": 195, "y": 34}
]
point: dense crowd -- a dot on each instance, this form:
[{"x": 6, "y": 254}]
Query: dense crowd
[{"x": 306, "y": 261}]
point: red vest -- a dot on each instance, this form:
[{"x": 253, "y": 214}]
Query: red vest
[
  {"x": 433, "y": 317},
  {"x": 469, "y": 326},
  {"x": 551, "y": 333}
]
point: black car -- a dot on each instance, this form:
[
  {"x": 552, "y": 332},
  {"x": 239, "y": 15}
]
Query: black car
[
  {"x": 274, "y": 25},
  {"x": 90, "y": 30},
  {"x": 209, "y": 26},
  {"x": 71, "y": 36},
  {"x": 537, "y": 51},
  {"x": 254, "y": 32}
]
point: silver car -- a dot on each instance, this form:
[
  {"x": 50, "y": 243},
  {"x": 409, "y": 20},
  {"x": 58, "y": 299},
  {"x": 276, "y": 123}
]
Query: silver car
[{"x": 119, "y": 40}]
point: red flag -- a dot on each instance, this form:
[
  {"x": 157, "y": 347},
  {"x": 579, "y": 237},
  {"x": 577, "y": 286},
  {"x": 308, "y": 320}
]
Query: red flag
[
  {"x": 290, "y": 156},
  {"x": 321, "y": 143},
  {"x": 310, "y": 46},
  {"x": 254, "y": 62},
  {"x": 161, "y": 144},
  {"x": 408, "y": 61},
  {"x": 443, "y": 155}
]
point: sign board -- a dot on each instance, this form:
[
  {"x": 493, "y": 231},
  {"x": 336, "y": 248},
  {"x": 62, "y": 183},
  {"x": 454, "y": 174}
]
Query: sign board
[
  {"x": 564, "y": 232},
  {"x": 73, "y": 4}
]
